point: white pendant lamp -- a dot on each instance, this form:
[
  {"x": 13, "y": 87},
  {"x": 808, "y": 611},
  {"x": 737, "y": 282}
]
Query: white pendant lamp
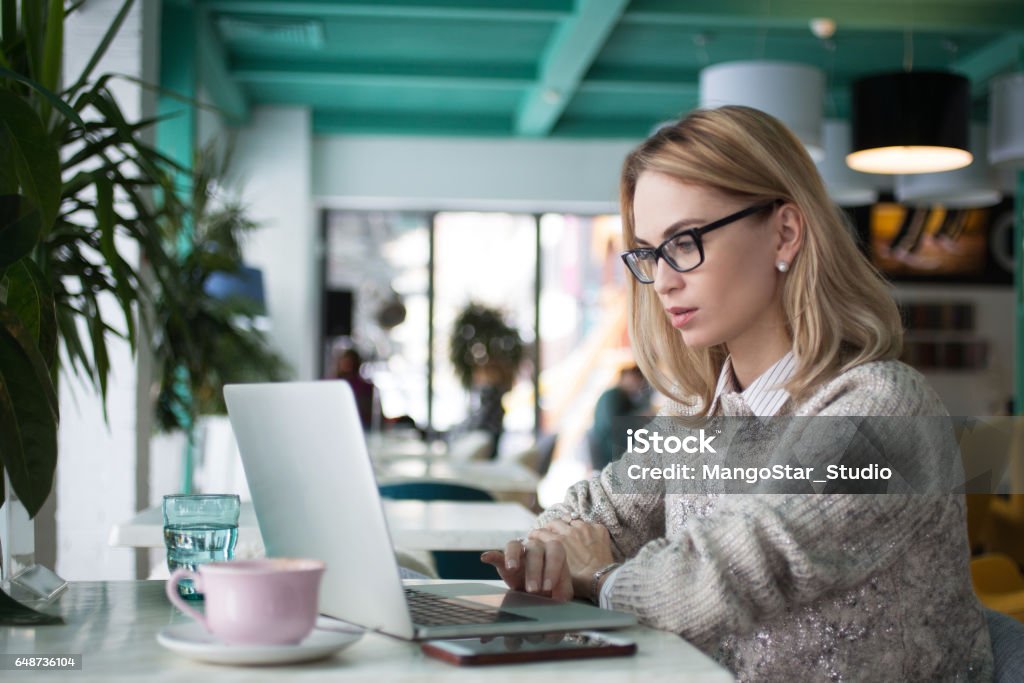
[
  {"x": 1006, "y": 121},
  {"x": 791, "y": 92},
  {"x": 845, "y": 186},
  {"x": 969, "y": 187}
]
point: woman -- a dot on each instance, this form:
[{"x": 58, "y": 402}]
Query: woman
[{"x": 768, "y": 309}]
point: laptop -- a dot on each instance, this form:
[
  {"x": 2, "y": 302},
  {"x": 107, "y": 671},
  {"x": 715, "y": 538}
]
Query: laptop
[{"x": 315, "y": 495}]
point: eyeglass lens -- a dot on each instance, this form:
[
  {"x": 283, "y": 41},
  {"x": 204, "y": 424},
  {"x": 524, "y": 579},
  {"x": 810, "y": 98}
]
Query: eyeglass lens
[{"x": 682, "y": 254}]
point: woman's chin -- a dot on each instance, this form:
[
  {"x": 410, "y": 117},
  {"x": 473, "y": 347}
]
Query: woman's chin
[{"x": 696, "y": 340}]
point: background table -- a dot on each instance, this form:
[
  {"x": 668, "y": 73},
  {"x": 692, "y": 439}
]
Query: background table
[
  {"x": 506, "y": 481},
  {"x": 414, "y": 525},
  {"x": 113, "y": 625}
]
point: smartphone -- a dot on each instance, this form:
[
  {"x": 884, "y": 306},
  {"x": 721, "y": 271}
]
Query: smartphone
[{"x": 528, "y": 648}]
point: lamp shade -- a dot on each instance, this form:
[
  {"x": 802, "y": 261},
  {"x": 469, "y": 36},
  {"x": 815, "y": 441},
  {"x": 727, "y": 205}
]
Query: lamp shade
[
  {"x": 845, "y": 186},
  {"x": 910, "y": 122},
  {"x": 246, "y": 283},
  {"x": 791, "y": 92},
  {"x": 972, "y": 186},
  {"x": 1006, "y": 121}
]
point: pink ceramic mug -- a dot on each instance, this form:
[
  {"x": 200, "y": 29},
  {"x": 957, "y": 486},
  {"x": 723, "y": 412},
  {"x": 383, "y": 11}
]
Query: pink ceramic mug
[{"x": 254, "y": 602}]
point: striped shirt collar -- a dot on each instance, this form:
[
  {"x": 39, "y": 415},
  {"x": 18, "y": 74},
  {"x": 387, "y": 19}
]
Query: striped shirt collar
[{"x": 765, "y": 395}]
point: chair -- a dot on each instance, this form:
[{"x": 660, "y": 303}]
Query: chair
[
  {"x": 545, "y": 451},
  {"x": 999, "y": 450},
  {"x": 1006, "y": 524},
  {"x": 1007, "y": 636},
  {"x": 450, "y": 564},
  {"x": 999, "y": 584},
  {"x": 979, "y": 521}
]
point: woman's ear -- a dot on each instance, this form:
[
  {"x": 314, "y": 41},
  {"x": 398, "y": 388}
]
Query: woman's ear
[{"x": 789, "y": 232}]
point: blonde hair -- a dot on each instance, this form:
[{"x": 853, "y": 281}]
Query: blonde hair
[{"x": 837, "y": 307}]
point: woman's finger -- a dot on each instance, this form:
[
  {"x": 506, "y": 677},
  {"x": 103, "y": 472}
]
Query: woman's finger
[
  {"x": 554, "y": 566},
  {"x": 514, "y": 554},
  {"x": 513, "y": 578},
  {"x": 534, "y": 565}
]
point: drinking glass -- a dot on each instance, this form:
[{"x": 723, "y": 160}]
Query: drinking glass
[{"x": 199, "y": 528}]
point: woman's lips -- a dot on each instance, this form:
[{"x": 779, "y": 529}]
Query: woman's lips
[{"x": 679, "y": 316}]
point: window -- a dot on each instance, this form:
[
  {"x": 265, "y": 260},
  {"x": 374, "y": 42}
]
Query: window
[{"x": 557, "y": 278}]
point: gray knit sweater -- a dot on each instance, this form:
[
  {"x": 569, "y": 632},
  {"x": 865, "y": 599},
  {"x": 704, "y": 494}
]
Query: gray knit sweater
[{"x": 837, "y": 587}]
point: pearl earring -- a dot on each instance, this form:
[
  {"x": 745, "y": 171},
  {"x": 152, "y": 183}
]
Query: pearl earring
[{"x": 782, "y": 266}]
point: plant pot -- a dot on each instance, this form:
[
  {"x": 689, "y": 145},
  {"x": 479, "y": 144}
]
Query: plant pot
[{"x": 17, "y": 536}]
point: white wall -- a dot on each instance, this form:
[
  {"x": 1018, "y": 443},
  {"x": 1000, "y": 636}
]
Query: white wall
[
  {"x": 456, "y": 173},
  {"x": 97, "y": 463},
  {"x": 273, "y": 166},
  {"x": 210, "y": 128}
]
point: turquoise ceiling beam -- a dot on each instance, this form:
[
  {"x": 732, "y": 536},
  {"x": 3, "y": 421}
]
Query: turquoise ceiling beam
[
  {"x": 682, "y": 89},
  {"x": 572, "y": 50},
  {"x": 619, "y": 128},
  {"x": 496, "y": 10},
  {"x": 175, "y": 138},
  {"x": 391, "y": 123},
  {"x": 176, "y": 131},
  {"x": 388, "y": 123},
  {"x": 226, "y": 94},
  {"x": 394, "y": 74},
  {"x": 885, "y": 15},
  {"x": 1000, "y": 55}
]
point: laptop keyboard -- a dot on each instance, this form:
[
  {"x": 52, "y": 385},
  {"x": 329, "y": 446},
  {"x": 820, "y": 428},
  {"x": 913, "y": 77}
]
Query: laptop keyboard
[{"x": 428, "y": 609}]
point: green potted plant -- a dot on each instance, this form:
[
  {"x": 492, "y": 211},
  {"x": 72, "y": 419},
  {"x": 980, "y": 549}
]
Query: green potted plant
[
  {"x": 204, "y": 338},
  {"x": 486, "y": 353},
  {"x": 75, "y": 181},
  {"x": 483, "y": 343}
]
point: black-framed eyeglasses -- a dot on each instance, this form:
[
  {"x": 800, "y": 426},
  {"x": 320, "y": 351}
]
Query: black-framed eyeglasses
[{"x": 683, "y": 251}]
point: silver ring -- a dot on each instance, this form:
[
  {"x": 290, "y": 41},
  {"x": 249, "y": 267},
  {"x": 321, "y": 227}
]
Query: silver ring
[{"x": 574, "y": 516}]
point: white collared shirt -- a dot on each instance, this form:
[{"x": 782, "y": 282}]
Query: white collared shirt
[{"x": 765, "y": 397}]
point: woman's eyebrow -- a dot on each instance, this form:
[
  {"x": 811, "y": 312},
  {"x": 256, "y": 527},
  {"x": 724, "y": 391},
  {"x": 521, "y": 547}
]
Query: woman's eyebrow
[{"x": 672, "y": 229}]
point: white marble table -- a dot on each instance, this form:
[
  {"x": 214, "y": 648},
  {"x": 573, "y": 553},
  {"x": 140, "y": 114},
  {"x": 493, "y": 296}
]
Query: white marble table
[
  {"x": 414, "y": 525},
  {"x": 497, "y": 477},
  {"x": 113, "y": 625},
  {"x": 384, "y": 447}
]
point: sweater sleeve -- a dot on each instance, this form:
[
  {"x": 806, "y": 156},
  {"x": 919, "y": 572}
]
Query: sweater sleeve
[
  {"x": 756, "y": 555},
  {"x": 759, "y": 555},
  {"x": 633, "y": 512}
]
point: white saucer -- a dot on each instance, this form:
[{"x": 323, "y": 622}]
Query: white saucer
[{"x": 193, "y": 641}]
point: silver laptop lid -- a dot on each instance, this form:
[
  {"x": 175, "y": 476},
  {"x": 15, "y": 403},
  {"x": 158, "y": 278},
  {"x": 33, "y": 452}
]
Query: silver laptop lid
[{"x": 306, "y": 464}]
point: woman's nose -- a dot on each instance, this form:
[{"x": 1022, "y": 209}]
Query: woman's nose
[{"x": 666, "y": 278}]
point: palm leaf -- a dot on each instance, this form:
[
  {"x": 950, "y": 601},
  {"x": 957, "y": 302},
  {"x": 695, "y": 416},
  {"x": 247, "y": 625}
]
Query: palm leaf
[
  {"x": 32, "y": 303},
  {"x": 20, "y": 226},
  {"x": 28, "y": 416},
  {"x": 55, "y": 101},
  {"x": 53, "y": 51},
  {"x": 26, "y": 148}
]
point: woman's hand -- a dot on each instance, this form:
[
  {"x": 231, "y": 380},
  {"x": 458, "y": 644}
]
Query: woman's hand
[
  {"x": 533, "y": 566},
  {"x": 557, "y": 561},
  {"x": 587, "y": 547}
]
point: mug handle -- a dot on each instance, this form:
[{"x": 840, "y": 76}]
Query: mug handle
[{"x": 171, "y": 588}]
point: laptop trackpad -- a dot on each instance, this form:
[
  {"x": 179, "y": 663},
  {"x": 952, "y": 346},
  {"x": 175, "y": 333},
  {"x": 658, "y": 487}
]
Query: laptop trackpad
[
  {"x": 487, "y": 596},
  {"x": 509, "y": 600}
]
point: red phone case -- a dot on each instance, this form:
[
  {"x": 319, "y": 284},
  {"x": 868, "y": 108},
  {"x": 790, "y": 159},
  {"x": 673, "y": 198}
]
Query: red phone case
[{"x": 516, "y": 656}]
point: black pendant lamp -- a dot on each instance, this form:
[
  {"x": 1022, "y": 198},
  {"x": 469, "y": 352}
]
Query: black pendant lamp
[{"x": 910, "y": 122}]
